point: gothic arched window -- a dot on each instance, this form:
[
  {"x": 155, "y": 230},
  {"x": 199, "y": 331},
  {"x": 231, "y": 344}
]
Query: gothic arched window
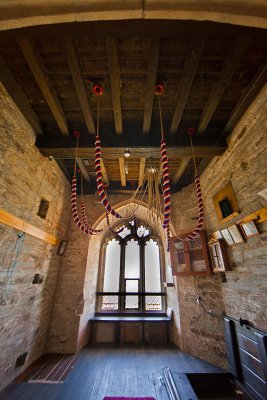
[{"x": 131, "y": 280}]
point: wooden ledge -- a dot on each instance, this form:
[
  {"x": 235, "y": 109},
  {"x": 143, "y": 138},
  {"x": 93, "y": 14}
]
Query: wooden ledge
[{"x": 130, "y": 318}]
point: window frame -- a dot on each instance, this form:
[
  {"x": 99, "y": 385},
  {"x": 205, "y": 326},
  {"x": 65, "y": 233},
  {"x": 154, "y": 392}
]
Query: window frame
[{"x": 142, "y": 241}]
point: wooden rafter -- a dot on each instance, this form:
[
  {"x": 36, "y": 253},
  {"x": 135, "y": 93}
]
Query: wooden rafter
[
  {"x": 141, "y": 170},
  {"x": 180, "y": 170},
  {"x": 114, "y": 72},
  {"x": 229, "y": 67},
  {"x": 246, "y": 99},
  {"x": 122, "y": 171},
  {"x": 152, "y": 69},
  {"x": 19, "y": 97},
  {"x": 34, "y": 61},
  {"x": 83, "y": 170},
  {"x": 77, "y": 77},
  {"x": 190, "y": 69},
  {"x": 146, "y": 152},
  {"x": 104, "y": 172}
]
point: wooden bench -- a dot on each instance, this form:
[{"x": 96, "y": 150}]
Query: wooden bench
[{"x": 129, "y": 328}]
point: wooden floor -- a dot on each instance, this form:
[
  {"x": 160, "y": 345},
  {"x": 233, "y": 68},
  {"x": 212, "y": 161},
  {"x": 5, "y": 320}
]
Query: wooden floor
[{"x": 108, "y": 370}]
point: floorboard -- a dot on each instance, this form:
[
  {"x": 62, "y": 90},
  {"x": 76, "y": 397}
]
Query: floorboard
[{"x": 113, "y": 370}]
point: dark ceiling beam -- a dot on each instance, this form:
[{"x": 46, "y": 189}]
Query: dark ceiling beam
[
  {"x": 114, "y": 72},
  {"x": 35, "y": 64},
  {"x": 78, "y": 80},
  {"x": 19, "y": 97},
  {"x": 246, "y": 99},
  {"x": 190, "y": 69},
  {"x": 152, "y": 70},
  {"x": 145, "y": 152},
  {"x": 84, "y": 172},
  {"x": 128, "y": 28},
  {"x": 180, "y": 170},
  {"x": 230, "y": 65}
]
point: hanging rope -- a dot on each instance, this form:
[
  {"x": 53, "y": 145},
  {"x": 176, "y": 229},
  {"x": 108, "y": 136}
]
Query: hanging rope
[
  {"x": 110, "y": 227},
  {"x": 200, "y": 224},
  {"x": 99, "y": 180},
  {"x": 85, "y": 228},
  {"x": 200, "y": 210},
  {"x": 76, "y": 134},
  {"x": 165, "y": 185},
  {"x": 165, "y": 176},
  {"x": 98, "y": 90},
  {"x": 191, "y": 131}
]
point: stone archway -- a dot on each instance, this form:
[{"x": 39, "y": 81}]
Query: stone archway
[
  {"x": 92, "y": 268},
  {"x": 17, "y": 14}
]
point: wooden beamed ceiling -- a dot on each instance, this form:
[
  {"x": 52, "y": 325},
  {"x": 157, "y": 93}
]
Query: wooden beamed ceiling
[{"x": 211, "y": 72}]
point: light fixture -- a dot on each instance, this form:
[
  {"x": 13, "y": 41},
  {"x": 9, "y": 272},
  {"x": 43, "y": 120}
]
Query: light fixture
[{"x": 127, "y": 153}]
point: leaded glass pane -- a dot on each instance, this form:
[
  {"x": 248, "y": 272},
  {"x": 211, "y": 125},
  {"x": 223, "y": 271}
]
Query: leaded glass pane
[
  {"x": 142, "y": 231},
  {"x": 152, "y": 275},
  {"x": 112, "y": 267},
  {"x": 132, "y": 302},
  {"x": 110, "y": 303},
  {"x": 126, "y": 231},
  {"x": 132, "y": 260}
]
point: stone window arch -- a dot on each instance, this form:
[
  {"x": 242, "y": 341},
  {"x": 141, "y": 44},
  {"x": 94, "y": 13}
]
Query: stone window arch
[{"x": 132, "y": 262}]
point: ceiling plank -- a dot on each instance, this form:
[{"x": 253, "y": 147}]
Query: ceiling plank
[
  {"x": 230, "y": 65},
  {"x": 180, "y": 170},
  {"x": 34, "y": 61},
  {"x": 146, "y": 152},
  {"x": 122, "y": 171},
  {"x": 246, "y": 99},
  {"x": 83, "y": 170},
  {"x": 114, "y": 72},
  {"x": 141, "y": 170},
  {"x": 190, "y": 69},
  {"x": 18, "y": 96},
  {"x": 104, "y": 172},
  {"x": 77, "y": 77},
  {"x": 152, "y": 70}
]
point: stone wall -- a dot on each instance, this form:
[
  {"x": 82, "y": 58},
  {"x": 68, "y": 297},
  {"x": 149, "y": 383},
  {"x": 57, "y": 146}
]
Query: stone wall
[
  {"x": 245, "y": 165},
  {"x": 25, "y": 178},
  {"x": 243, "y": 295}
]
